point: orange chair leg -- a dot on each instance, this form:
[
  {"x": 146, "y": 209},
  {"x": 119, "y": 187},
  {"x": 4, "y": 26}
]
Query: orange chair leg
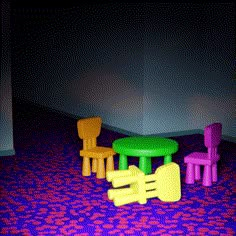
[
  {"x": 110, "y": 164},
  {"x": 100, "y": 169},
  {"x": 86, "y": 167},
  {"x": 94, "y": 165}
]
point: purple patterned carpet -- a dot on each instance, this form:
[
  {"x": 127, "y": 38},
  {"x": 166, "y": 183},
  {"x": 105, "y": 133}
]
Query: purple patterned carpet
[{"x": 43, "y": 192}]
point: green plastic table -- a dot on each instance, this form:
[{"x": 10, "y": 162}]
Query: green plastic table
[{"x": 144, "y": 147}]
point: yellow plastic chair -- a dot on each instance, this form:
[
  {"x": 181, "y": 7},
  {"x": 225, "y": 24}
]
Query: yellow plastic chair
[
  {"x": 88, "y": 130},
  {"x": 164, "y": 184}
]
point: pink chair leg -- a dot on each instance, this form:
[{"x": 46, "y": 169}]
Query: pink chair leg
[
  {"x": 189, "y": 174},
  {"x": 207, "y": 176},
  {"x": 214, "y": 173},
  {"x": 197, "y": 172}
]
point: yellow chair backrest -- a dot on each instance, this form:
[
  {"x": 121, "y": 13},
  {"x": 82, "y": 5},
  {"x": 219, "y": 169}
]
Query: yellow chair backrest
[
  {"x": 168, "y": 182},
  {"x": 88, "y": 130}
]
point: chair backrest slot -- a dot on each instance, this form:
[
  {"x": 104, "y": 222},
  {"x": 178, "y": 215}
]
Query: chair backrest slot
[
  {"x": 212, "y": 138},
  {"x": 89, "y": 143}
]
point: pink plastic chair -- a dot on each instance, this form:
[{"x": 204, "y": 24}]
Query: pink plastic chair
[{"x": 212, "y": 138}]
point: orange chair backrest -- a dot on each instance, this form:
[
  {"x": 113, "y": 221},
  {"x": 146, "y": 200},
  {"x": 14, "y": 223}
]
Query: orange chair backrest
[{"x": 88, "y": 130}]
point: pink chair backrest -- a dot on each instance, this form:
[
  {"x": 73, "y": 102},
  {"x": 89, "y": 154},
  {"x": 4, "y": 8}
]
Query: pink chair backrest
[
  {"x": 212, "y": 138},
  {"x": 212, "y": 135}
]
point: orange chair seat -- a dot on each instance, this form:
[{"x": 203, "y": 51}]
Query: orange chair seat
[{"x": 98, "y": 152}]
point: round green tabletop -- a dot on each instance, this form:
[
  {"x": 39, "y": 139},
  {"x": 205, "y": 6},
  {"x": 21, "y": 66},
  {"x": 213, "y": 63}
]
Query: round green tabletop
[{"x": 144, "y": 147}]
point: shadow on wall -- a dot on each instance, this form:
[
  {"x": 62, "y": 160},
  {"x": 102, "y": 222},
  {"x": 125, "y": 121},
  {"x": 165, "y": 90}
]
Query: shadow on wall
[
  {"x": 207, "y": 109},
  {"x": 107, "y": 92}
]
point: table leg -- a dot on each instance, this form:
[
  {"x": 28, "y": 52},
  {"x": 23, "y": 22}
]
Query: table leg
[
  {"x": 145, "y": 165},
  {"x": 167, "y": 159},
  {"x": 149, "y": 165},
  {"x": 123, "y": 162}
]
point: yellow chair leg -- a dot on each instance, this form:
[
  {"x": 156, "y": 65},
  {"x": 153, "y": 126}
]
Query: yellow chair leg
[
  {"x": 114, "y": 193},
  {"x": 119, "y": 201},
  {"x": 86, "y": 167}
]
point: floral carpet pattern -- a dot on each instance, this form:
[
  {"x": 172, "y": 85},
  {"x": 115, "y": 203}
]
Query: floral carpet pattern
[{"x": 42, "y": 191}]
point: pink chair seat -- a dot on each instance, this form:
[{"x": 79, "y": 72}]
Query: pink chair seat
[
  {"x": 212, "y": 138},
  {"x": 200, "y": 158}
]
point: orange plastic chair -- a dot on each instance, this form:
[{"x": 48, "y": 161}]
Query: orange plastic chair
[{"x": 88, "y": 130}]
